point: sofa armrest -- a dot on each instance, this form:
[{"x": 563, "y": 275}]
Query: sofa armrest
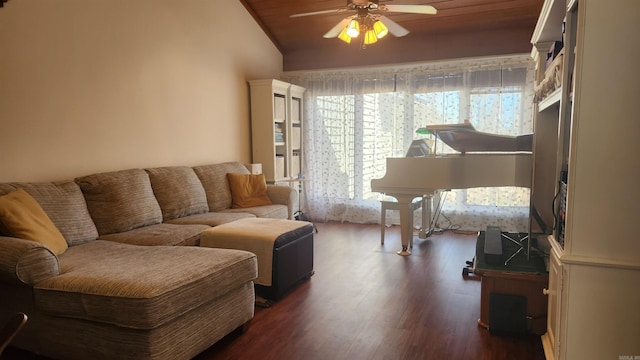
[
  {"x": 26, "y": 261},
  {"x": 284, "y": 195}
]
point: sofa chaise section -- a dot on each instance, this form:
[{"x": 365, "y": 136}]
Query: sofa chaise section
[{"x": 104, "y": 300}]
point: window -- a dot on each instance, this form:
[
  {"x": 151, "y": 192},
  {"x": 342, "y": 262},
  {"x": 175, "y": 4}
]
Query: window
[{"x": 355, "y": 121}]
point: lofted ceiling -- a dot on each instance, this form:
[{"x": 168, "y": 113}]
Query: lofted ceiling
[{"x": 460, "y": 29}]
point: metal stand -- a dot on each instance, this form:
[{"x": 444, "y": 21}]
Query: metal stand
[
  {"x": 521, "y": 246},
  {"x": 427, "y": 201},
  {"x": 299, "y": 214}
]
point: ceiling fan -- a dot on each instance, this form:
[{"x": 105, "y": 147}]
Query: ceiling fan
[{"x": 368, "y": 18}]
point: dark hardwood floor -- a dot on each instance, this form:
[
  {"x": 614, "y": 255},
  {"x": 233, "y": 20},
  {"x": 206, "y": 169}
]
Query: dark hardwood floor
[{"x": 366, "y": 302}]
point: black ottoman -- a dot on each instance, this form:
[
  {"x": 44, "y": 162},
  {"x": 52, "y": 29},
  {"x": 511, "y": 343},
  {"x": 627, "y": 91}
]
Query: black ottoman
[{"x": 284, "y": 249}]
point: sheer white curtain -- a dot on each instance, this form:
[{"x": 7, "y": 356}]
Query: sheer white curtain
[{"x": 355, "y": 119}]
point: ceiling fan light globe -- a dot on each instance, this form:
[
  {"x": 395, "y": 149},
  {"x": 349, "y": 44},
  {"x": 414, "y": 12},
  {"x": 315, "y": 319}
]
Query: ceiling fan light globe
[
  {"x": 370, "y": 37},
  {"x": 353, "y": 29},
  {"x": 380, "y": 29},
  {"x": 344, "y": 36}
]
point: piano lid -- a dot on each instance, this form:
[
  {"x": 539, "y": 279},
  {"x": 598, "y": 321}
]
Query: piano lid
[{"x": 465, "y": 138}]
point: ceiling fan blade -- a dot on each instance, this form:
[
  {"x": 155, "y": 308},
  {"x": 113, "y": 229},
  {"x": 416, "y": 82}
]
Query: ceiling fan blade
[
  {"x": 394, "y": 28},
  {"x": 316, "y": 13},
  {"x": 335, "y": 31},
  {"x": 414, "y": 9}
]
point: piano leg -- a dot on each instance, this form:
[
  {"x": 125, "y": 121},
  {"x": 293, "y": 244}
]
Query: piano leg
[{"x": 406, "y": 214}]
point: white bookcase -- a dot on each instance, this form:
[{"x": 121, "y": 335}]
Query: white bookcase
[{"x": 276, "y": 128}]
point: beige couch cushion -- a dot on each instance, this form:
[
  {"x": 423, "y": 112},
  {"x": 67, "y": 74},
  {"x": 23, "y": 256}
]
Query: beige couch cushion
[
  {"x": 159, "y": 234},
  {"x": 215, "y": 183},
  {"x": 120, "y": 201},
  {"x": 178, "y": 191},
  {"x": 64, "y": 204},
  {"x": 22, "y": 217},
  {"x": 211, "y": 218},
  {"x": 274, "y": 211},
  {"x": 140, "y": 287}
]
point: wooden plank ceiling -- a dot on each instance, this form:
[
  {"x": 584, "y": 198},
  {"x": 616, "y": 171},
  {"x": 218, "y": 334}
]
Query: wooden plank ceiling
[{"x": 460, "y": 29}]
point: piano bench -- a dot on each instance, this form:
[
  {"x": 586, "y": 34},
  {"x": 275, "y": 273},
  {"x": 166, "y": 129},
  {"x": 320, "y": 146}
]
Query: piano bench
[{"x": 393, "y": 205}]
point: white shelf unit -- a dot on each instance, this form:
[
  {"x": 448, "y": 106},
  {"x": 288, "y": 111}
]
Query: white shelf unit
[
  {"x": 585, "y": 131},
  {"x": 276, "y": 128},
  {"x": 295, "y": 94}
]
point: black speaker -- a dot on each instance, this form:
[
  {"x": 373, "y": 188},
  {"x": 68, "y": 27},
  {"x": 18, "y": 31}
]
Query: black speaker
[{"x": 507, "y": 314}]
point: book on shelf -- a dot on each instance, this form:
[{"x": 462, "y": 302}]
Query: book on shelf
[{"x": 278, "y": 133}]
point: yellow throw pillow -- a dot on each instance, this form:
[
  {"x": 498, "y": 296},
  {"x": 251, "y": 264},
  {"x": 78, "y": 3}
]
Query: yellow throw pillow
[
  {"x": 248, "y": 190},
  {"x": 21, "y": 216}
]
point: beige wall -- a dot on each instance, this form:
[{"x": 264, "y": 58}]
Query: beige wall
[{"x": 101, "y": 85}]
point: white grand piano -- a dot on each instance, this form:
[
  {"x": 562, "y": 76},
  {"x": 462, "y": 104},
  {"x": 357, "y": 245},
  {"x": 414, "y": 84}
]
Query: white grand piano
[{"x": 485, "y": 160}]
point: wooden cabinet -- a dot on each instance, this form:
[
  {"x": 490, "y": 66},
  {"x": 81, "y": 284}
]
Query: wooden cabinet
[
  {"x": 527, "y": 285},
  {"x": 276, "y": 128},
  {"x": 553, "y": 306},
  {"x": 584, "y": 190}
]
